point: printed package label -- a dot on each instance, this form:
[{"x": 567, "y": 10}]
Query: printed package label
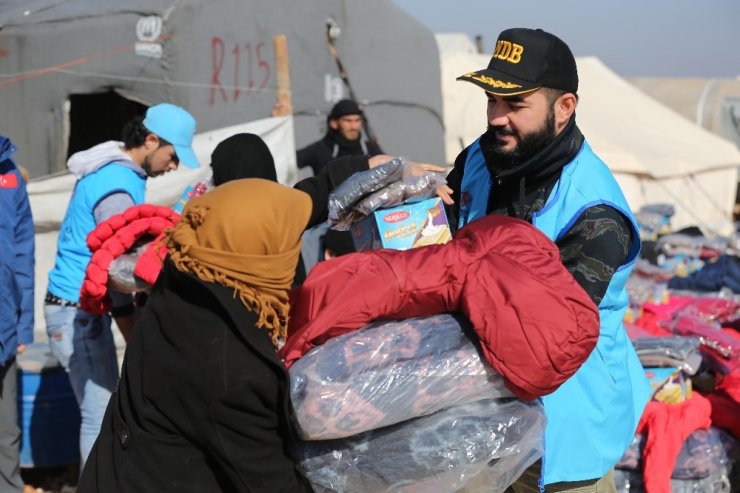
[{"x": 403, "y": 227}]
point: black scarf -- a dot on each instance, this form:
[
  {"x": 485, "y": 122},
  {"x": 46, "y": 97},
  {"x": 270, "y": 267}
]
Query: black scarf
[
  {"x": 346, "y": 147},
  {"x": 242, "y": 156},
  {"x": 523, "y": 190}
]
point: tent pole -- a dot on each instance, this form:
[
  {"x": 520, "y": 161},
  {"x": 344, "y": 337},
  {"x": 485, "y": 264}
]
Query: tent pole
[{"x": 284, "y": 97}]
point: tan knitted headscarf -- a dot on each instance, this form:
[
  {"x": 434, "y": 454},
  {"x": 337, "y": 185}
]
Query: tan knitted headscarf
[{"x": 245, "y": 234}]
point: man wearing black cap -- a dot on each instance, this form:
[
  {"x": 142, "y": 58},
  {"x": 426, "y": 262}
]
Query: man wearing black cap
[
  {"x": 533, "y": 163},
  {"x": 343, "y": 138}
]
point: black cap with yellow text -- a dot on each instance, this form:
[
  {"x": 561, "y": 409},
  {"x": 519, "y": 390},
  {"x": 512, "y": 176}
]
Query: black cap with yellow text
[{"x": 525, "y": 60}]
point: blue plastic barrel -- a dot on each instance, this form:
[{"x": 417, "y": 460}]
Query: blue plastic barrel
[{"x": 48, "y": 414}]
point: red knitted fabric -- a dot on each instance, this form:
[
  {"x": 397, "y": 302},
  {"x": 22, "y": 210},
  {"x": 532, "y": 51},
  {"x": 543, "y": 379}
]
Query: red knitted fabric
[{"x": 114, "y": 237}]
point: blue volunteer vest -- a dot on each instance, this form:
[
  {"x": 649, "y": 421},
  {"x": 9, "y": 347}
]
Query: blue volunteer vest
[
  {"x": 592, "y": 416},
  {"x": 73, "y": 255}
]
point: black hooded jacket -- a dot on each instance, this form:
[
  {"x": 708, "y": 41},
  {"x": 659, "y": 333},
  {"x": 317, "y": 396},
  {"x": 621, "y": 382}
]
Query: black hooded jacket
[{"x": 333, "y": 146}]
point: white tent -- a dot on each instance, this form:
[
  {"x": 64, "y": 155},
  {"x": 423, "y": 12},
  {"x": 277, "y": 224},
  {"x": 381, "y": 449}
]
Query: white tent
[{"x": 656, "y": 155}]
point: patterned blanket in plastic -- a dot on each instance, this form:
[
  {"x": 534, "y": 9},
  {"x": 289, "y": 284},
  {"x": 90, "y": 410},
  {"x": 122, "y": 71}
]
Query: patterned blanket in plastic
[
  {"x": 487, "y": 442},
  {"x": 389, "y": 372}
]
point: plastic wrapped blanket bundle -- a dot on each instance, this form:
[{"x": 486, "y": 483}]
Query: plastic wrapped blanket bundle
[
  {"x": 388, "y": 372},
  {"x": 359, "y": 185},
  {"x": 488, "y": 443},
  {"x": 410, "y": 406},
  {"x": 409, "y": 189},
  {"x": 677, "y": 351},
  {"x": 388, "y": 185}
]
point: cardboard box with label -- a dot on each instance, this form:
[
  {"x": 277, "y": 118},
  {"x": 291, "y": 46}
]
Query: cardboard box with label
[{"x": 403, "y": 227}]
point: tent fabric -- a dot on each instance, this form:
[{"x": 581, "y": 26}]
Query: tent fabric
[
  {"x": 702, "y": 101},
  {"x": 216, "y": 59},
  {"x": 655, "y": 154}
]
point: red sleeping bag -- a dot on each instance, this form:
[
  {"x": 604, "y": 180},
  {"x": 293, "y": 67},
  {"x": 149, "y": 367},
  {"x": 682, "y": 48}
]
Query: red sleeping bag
[{"x": 535, "y": 323}]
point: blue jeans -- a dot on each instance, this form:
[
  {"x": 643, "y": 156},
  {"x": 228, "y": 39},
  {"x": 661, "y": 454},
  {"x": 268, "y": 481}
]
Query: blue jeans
[{"x": 83, "y": 344}]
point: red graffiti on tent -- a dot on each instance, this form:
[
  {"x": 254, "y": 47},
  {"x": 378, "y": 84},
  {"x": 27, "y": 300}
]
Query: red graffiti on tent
[{"x": 229, "y": 70}]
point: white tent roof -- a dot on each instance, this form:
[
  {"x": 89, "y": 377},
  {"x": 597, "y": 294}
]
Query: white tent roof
[
  {"x": 656, "y": 155},
  {"x": 612, "y": 113}
]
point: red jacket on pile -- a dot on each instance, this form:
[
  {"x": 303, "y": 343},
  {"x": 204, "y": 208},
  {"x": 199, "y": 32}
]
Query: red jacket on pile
[{"x": 535, "y": 323}]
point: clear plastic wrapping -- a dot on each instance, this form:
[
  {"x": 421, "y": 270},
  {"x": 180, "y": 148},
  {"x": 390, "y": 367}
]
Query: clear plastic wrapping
[
  {"x": 359, "y": 185},
  {"x": 121, "y": 275},
  {"x": 390, "y": 184},
  {"x": 642, "y": 290},
  {"x": 702, "y": 464},
  {"x": 389, "y": 372},
  {"x": 674, "y": 352},
  {"x": 702, "y": 318},
  {"x": 694, "y": 246},
  {"x": 409, "y": 189},
  {"x": 487, "y": 443},
  {"x": 703, "y": 453},
  {"x": 645, "y": 269},
  {"x": 632, "y": 482},
  {"x": 662, "y": 209}
]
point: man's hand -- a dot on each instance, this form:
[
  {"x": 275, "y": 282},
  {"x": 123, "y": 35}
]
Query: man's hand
[
  {"x": 413, "y": 168},
  {"x": 378, "y": 159},
  {"x": 445, "y": 193},
  {"x": 20, "y": 348},
  {"x": 419, "y": 169}
]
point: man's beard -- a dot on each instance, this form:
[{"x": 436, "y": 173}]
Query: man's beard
[
  {"x": 147, "y": 167},
  {"x": 528, "y": 145}
]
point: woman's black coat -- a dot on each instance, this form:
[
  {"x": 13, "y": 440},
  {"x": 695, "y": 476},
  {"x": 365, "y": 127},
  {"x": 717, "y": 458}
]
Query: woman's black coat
[{"x": 202, "y": 404}]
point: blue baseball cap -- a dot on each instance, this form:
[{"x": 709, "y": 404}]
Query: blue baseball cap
[{"x": 176, "y": 126}]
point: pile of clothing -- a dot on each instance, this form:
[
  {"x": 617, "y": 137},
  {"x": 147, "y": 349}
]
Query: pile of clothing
[
  {"x": 687, "y": 439},
  {"x": 409, "y": 404}
]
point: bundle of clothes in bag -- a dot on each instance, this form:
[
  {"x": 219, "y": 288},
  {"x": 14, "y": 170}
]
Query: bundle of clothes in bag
[
  {"x": 418, "y": 370},
  {"x": 409, "y": 406}
]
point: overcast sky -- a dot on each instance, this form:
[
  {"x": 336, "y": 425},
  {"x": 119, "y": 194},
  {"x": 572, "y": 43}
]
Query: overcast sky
[{"x": 651, "y": 38}]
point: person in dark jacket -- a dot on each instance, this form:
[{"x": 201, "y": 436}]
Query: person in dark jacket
[
  {"x": 16, "y": 306},
  {"x": 203, "y": 402},
  {"x": 343, "y": 138}
]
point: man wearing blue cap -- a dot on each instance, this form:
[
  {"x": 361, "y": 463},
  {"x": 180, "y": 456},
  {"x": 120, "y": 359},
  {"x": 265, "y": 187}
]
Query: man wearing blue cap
[{"x": 111, "y": 177}]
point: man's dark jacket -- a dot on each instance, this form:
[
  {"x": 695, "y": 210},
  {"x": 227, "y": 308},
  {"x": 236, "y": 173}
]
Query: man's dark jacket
[{"x": 330, "y": 147}]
